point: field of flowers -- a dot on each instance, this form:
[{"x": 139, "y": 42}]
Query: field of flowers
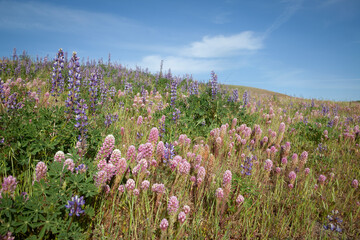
[{"x": 95, "y": 150}]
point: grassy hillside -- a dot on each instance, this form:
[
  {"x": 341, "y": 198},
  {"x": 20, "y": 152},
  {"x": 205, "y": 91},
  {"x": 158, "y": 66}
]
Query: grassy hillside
[{"x": 100, "y": 151}]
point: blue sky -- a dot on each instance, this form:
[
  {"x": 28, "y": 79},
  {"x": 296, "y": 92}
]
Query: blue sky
[{"x": 303, "y": 48}]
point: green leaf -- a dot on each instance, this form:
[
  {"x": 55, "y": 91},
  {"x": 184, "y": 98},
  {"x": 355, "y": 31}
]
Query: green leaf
[{"x": 90, "y": 211}]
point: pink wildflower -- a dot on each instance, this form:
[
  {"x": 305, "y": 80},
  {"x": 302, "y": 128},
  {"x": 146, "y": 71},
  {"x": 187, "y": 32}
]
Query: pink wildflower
[
  {"x": 355, "y": 183},
  {"x": 154, "y": 135},
  {"x": 145, "y": 185},
  {"x": 227, "y": 178},
  {"x": 9, "y": 185},
  {"x": 70, "y": 163},
  {"x": 100, "y": 178},
  {"x": 160, "y": 150},
  {"x": 282, "y": 128},
  {"x": 268, "y": 165},
  {"x": 186, "y": 209},
  {"x": 182, "y": 217},
  {"x": 139, "y": 120},
  {"x": 121, "y": 188},
  {"x": 40, "y": 171},
  {"x": 131, "y": 154},
  {"x": 130, "y": 184},
  {"x": 292, "y": 176},
  {"x": 240, "y": 199},
  {"x": 164, "y": 224},
  {"x": 173, "y": 205},
  {"x": 136, "y": 192},
  {"x": 59, "y": 156},
  {"x": 219, "y": 193},
  {"x": 106, "y": 148},
  {"x": 322, "y": 179}
]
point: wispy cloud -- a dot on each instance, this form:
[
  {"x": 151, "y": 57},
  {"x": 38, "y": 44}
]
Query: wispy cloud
[
  {"x": 326, "y": 3},
  {"x": 222, "y": 18},
  {"x": 293, "y": 6},
  {"x": 223, "y": 46},
  {"x": 38, "y": 16},
  {"x": 181, "y": 65},
  {"x": 211, "y": 53}
]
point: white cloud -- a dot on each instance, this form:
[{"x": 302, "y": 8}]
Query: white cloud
[
  {"x": 181, "y": 65},
  {"x": 222, "y": 18},
  {"x": 291, "y": 9},
  {"x": 48, "y": 17},
  {"x": 221, "y": 46}
]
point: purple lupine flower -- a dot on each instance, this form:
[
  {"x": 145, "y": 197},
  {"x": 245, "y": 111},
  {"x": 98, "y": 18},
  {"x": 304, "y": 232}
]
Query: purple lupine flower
[
  {"x": 247, "y": 166},
  {"x": 176, "y": 115},
  {"x": 57, "y": 78},
  {"x": 213, "y": 84},
  {"x": 103, "y": 91},
  {"x": 81, "y": 121},
  {"x": 75, "y": 205},
  {"x": 73, "y": 83},
  {"x": 12, "y": 102},
  {"x": 94, "y": 91},
  {"x": 173, "y": 205},
  {"x": 173, "y": 92},
  {"x": 235, "y": 96},
  {"x": 246, "y": 97},
  {"x": 169, "y": 151},
  {"x": 59, "y": 156},
  {"x": 307, "y": 171},
  {"x": 81, "y": 168},
  {"x": 164, "y": 224},
  {"x": 40, "y": 171},
  {"x": 182, "y": 217}
]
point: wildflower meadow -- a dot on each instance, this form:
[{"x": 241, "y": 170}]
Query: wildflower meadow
[{"x": 91, "y": 149}]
